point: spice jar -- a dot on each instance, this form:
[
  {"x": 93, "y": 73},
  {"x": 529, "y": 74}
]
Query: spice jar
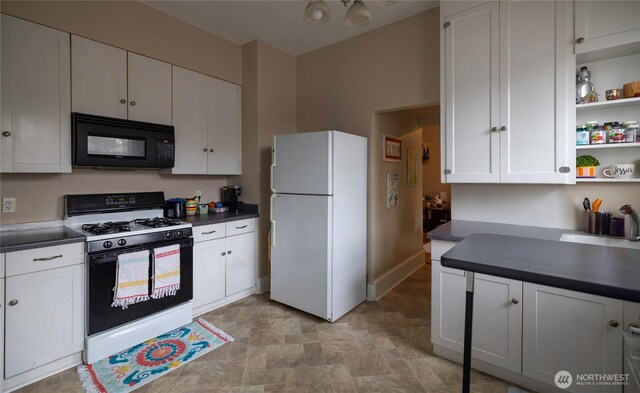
[{"x": 598, "y": 136}]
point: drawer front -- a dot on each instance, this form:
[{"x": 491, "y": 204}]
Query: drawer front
[
  {"x": 439, "y": 247},
  {"x": 208, "y": 232},
  {"x": 241, "y": 226},
  {"x": 38, "y": 259}
]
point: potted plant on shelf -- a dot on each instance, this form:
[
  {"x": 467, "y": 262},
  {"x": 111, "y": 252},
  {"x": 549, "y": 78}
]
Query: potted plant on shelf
[{"x": 586, "y": 166}]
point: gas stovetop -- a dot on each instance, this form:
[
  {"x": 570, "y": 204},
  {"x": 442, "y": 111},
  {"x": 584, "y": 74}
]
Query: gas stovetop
[{"x": 111, "y": 227}]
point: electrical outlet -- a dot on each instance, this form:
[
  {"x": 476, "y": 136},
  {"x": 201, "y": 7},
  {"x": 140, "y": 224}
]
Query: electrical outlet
[
  {"x": 198, "y": 193},
  {"x": 8, "y": 205}
]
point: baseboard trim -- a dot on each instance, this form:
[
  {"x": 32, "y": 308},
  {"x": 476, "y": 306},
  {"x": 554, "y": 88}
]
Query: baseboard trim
[
  {"x": 395, "y": 276},
  {"x": 264, "y": 284}
]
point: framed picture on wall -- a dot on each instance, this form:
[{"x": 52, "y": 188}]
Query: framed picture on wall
[
  {"x": 393, "y": 189},
  {"x": 391, "y": 148},
  {"x": 412, "y": 167}
]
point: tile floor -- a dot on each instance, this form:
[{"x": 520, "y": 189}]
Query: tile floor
[{"x": 380, "y": 346}]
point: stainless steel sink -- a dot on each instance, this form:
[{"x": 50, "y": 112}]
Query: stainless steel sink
[{"x": 599, "y": 240}]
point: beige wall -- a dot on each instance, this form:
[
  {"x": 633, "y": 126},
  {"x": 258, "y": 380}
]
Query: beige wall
[
  {"x": 139, "y": 28},
  {"x": 269, "y": 108},
  {"x": 432, "y": 170},
  {"x": 136, "y": 27},
  {"x": 341, "y": 87},
  {"x": 40, "y": 196},
  {"x": 397, "y": 234}
]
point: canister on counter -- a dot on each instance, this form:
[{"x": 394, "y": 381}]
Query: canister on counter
[
  {"x": 604, "y": 223},
  {"x": 617, "y": 226}
]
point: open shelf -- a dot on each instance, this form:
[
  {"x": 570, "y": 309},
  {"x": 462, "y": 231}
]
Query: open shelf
[
  {"x": 608, "y": 146},
  {"x": 619, "y": 103},
  {"x": 607, "y": 180}
]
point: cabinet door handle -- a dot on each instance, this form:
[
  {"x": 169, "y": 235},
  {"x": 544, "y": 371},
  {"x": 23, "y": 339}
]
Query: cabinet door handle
[
  {"x": 133, "y": 103},
  {"x": 224, "y": 253},
  {"x": 13, "y": 302},
  {"x": 613, "y": 323},
  {"x": 123, "y": 101},
  {"x": 6, "y": 133},
  {"x": 47, "y": 258},
  {"x": 208, "y": 233},
  {"x": 229, "y": 252},
  {"x": 580, "y": 40},
  {"x": 210, "y": 150},
  {"x": 494, "y": 129},
  {"x": 242, "y": 227},
  {"x": 204, "y": 150},
  {"x": 515, "y": 301},
  {"x": 503, "y": 128},
  {"x": 634, "y": 328}
]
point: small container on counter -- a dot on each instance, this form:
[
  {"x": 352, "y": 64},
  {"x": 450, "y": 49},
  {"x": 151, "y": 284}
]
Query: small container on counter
[
  {"x": 604, "y": 223},
  {"x": 591, "y": 222},
  {"x": 617, "y": 226},
  {"x": 203, "y": 209}
]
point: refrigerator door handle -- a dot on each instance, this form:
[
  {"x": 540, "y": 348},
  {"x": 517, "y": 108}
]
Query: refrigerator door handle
[
  {"x": 273, "y": 162},
  {"x": 273, "y": 222}
]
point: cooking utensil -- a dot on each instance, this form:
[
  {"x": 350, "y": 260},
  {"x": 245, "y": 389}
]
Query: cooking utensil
[
  {"x": 586, "y": 204},
  {"x": 596, "y": 205}
]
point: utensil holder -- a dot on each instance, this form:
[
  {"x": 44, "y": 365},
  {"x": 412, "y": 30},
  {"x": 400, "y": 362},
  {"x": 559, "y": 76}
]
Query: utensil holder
[
  {"x": 604, "y": 223},
  {"x": 591, "y": 222}
]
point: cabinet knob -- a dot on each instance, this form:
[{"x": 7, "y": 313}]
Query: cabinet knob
[
  {"x": 580, "y": 40},
  {"x": 224, "y": 253},
  {"x": 494, "y": 129},
  {"x": 123, "y": 101},
  {"x": 13, "y": 302},
  {"x": 6, "y": 133},
  {"x": 210, "y": 150},
  {"x": 503, "y": 128},
  {"x": 133, "y": 103},
  {"x": 204, "y": 150},
  {"x": 229, "y": 252},
  {"x": 515, "y": 301},
  {"x": 614, "y": 323}
]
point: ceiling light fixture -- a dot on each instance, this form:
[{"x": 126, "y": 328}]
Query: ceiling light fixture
[{"x": 318, "y": 13}]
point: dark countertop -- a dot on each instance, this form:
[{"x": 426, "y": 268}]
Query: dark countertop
[
  {"x": 246, "y": 211},
  {"x": 458, "y": 230},
  {"x": 605, "y": 271},
  {"x": 37, "y": 237}
]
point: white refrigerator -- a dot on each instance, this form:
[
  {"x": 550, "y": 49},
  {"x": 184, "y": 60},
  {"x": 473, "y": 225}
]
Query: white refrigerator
[{"x": 319, "y": 222}]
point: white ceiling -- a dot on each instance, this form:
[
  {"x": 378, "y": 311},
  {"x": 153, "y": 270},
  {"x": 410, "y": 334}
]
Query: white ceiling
[{"x": 279, "y": 22}]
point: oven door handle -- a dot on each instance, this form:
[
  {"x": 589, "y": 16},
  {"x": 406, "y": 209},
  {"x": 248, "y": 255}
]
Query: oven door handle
[{"x": 112, "y": 255}]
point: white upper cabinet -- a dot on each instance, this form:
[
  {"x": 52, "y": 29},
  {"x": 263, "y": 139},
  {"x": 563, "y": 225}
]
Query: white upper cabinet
[
  {"x": 99, "y": 78},
  {"x": 606, "y": 24},
  {"x": 206, "y": 117},
  {"x": 149, "y": 89},
  {"x": 110, "y": 81},
  {"x": 36, "y": 133},
  {"x": 224, "y": 128},
  {"x": 508, "y": 90}
]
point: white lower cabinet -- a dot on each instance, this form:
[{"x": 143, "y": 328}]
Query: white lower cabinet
[
  {"x": 572, "y": 331},
  {"x": 224, "y": 264}
]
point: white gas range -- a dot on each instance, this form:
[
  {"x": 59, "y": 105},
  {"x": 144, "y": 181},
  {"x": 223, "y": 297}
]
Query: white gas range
[{"x": 115, "y": 224}]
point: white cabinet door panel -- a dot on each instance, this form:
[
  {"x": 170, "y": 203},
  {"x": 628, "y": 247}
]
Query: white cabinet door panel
[
  {"x": 47, "y": 321},
  {"x": 149, "y": 89},
  {"x": 566, "y": 330},
  {"x": 534, "y": 105},
  {"x": 472, "y": 95},
  {"x": 35, "y": 98},
  {"x": 224, "y": 132},
  {"x": 99, "y": 78},
  {"x": 208, "y": 272},
  {"x": 240, "y": 263},
  {"x": 604, "y": 24},
  {"x": 190, "y": 121}
]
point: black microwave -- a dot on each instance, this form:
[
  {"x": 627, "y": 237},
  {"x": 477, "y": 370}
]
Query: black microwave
[{"x": 99, "y": 141}]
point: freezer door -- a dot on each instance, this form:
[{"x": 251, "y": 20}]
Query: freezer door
[
  {"x": 300, "y": 252},
  {"x": 302, "y": 163}
]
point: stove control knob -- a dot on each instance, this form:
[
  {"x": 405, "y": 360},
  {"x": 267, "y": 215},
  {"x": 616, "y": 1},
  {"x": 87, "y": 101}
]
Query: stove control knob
[
  {"x": 107, "y": 244},
  {"x": 122, "y": 242},
  {"x": 179, "y": 234},
  {"x": 168, "y": 235}
]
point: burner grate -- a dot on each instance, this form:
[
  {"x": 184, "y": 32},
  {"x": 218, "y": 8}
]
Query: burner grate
[
  {"x": 156, "y": 222},
  {"x": 106, "y": 228}
]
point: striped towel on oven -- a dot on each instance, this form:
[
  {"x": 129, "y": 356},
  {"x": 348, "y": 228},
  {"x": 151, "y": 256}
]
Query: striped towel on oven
[
  {"x": 166, "y": 271},
  {"x": 132, "y": 279}
]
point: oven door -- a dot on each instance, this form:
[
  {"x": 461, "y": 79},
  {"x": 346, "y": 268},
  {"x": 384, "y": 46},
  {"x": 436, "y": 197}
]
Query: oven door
[{"x": 102, "y": 280}]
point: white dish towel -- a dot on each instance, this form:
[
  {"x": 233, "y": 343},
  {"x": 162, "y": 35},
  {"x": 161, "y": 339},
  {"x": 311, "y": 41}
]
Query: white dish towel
[
  {"x": 132, "y": 279},
  {"x": 166, "y": 271}
]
